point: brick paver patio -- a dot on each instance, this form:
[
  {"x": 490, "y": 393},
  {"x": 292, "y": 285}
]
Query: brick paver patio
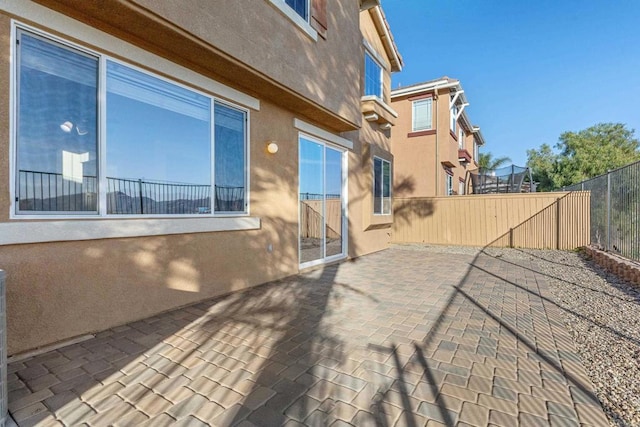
[{"x": 401, "y": 337}]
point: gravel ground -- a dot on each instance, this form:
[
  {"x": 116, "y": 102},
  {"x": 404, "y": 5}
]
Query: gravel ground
[{"x": 602, "y": 313}]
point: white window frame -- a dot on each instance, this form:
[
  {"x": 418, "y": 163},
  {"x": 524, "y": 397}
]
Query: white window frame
[
  {"x": 453, "y": 121},
  {"x": 460, "y": 138},
  {"x": 448, "y": 184},
  {"x": 102, "y": 214},
  {"x": 382, "y": 212},
  {"x": 476, "y": 151},
  {"x": 302, "y": 23},
  {"x": 334, "y": 142},
  {"x": 460, "y": 187},
  {"x": 380, "y": 96},
  {"x": 413, "y": 114}
]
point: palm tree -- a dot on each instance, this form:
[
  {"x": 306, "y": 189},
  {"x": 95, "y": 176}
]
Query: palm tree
[{"x": 486, "y": 162}]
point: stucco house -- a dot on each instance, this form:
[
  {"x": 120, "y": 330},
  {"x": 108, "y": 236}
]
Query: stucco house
[
  {"x": 156, "y": 153},
  {"x": 434, "y": 143}
]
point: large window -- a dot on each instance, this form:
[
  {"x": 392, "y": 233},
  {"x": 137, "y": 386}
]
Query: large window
[
  {"x": 372, "y": 76},
  {"x": 301, "y": 7},
  {"x": 168, "y": 150},
  {"x": 381, "y": 186},
  {"x": 422, "y": 114}
]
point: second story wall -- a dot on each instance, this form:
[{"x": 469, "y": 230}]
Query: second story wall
[{"x": 252, "y": 45}]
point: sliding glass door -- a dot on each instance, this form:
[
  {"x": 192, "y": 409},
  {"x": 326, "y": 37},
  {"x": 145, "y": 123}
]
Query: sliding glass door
[{"x": 322, "y": 202}]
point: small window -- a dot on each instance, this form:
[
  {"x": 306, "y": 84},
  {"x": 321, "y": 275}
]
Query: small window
[
  {"x": 422, "y": 114},
  {"x": 460, "y": 187},
  {"x": 449, "y": 183},
  {"x": 476, "y": 153},
  {"x": 372, "y": 76},
  {"x": 160, "y": 139},
  {"x": 301, "y": 7},
  {"x": 460, "y": 138},
  {"x": 381, "y": 186},
  {"x": 454, "y": 113}
]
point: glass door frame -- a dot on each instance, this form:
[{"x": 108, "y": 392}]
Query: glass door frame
[{"x": 343, "y": 199}]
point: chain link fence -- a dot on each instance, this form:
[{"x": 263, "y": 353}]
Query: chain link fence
[{"x": 615, "y": 210}]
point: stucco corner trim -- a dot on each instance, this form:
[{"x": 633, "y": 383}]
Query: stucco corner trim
[
  {"x": 321, "y": 133},
  {"x": 14, "y": 233}
]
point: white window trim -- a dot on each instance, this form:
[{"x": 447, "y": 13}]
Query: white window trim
[
  {"x": 145, "y": 225},
  {"x": 390, "y": 188},
  {"x": 322, "y": 134},
  {"x": 382, "y": 68},
  {"x": 453, "y": 122},
  {"x": 20, "y": 232},
  {"x": 374, "y": 53},
  {"x": 413, "y": 115},
  {"x": 448, "y": 188},
  {"x": 326, "y": 143},
  {"x": 304, "y": 25}
]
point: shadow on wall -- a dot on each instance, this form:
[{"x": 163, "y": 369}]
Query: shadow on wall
[{"x": 403, "y": 212}]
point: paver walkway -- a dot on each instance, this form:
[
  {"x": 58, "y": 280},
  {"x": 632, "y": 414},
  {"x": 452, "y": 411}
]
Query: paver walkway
[{"x": 401, "y": 337}]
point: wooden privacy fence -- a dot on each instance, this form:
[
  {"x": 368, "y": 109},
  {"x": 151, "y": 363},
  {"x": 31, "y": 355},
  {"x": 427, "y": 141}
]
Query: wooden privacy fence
[
  {"x": 535, "y": 220},
  {"x": 311, "y": 218}
]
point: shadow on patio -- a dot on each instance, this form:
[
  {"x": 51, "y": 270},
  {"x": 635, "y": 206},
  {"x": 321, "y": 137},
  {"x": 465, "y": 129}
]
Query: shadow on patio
[{"x": 395, "y": 338}]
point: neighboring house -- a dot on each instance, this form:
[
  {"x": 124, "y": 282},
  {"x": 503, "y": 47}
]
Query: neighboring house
[
  {"x": 434, "y": 144},
  {"x": 154, "y": 154}
]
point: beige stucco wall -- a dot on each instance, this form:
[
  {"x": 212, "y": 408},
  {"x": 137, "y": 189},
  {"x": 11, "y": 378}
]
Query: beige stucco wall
[
  {"x": 59, "y": 290},
  {"x": 62, "y": 289},
  {"x": 419, "y": 157},
  {"x": 248, "y": 44},
  {"x": 370, "y": 34}
]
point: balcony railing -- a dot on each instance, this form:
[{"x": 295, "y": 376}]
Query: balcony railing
[{"x": 51, "y": 192}]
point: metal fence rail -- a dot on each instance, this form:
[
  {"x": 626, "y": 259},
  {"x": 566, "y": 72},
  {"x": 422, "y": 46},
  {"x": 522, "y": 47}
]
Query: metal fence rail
[
  {"x": 52, "y": 192},
  {"x": 615, "y": 210}
]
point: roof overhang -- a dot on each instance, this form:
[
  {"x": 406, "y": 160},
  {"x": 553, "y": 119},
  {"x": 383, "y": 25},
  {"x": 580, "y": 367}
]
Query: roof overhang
[
  {"x": 382, "y": 26},
  {"x": 426, "y": 87}
]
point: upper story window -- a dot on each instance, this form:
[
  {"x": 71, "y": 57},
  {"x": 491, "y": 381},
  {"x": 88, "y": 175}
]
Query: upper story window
[
  {"x": 460, "y": 138},
  {"x": 372, "y": 76},
  {"x": 476, "y": 152},
  {"x": 422, "y": 114},
  {"x": 453, "y": 120},
  {"x": 381, "y": 186},
  {"x": 153, "y": 151},
  {"x": 301, "y": 7}
]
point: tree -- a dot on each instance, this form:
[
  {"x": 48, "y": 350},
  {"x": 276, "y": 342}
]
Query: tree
[
  {"x": 487, "y": 162},
  {"x": 583, "y": 155}
]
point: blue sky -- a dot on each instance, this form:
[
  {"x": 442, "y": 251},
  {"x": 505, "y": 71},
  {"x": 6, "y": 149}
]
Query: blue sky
[{"x": 530, "y": 69}]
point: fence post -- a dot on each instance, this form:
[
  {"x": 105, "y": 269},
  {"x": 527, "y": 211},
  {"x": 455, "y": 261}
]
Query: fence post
[
  {"x": 558, "y": 223},
  {"x": 608, "y": 211},
  {"x": 140, "y": 193}
]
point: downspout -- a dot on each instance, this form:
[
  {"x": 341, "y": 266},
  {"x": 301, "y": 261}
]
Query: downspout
[{"x": 437, "y": 156}]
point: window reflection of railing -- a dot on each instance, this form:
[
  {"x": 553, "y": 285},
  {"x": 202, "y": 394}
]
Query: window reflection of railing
[
  {"x": 131, "y": 196},
  {"x": 317, "y": 196},
  {"x": 51, "y": 192}
]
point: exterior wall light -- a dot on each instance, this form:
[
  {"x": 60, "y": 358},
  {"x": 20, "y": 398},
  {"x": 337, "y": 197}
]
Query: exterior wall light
[{"x": 272, "y": 147}]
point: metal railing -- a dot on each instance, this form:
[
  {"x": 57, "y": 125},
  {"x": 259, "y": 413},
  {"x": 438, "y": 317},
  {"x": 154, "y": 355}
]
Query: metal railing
[
  {"x": 318, "y": 196},
  {"x": 615, "y": 210},
  {"x": 51, "y": 192}
]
